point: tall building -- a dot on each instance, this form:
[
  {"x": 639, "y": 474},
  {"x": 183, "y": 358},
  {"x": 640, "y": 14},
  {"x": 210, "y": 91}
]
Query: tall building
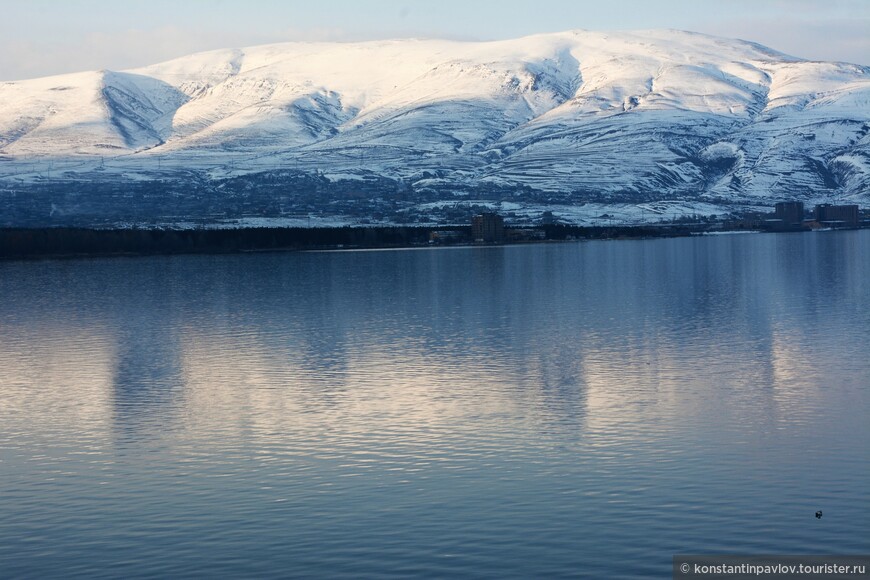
[
  {"x": 837, "y": 214},
  {"x": 487, "y": 227},
  {"x": 790, "y": 212}
]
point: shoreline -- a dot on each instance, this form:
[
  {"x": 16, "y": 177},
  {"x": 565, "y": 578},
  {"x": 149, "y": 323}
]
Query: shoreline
[{"x": 77, "y": 242}]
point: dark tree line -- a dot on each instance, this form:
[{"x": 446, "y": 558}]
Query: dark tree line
[{"x": 37, "y": 242}]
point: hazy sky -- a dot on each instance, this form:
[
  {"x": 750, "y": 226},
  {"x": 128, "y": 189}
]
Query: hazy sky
[{"x": 43, "y": 37}]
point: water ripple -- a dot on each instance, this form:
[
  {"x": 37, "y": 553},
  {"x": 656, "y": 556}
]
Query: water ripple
[{"x": 580, "y": 410}]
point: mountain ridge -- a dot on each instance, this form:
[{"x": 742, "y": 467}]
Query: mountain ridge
[{"x": 584, "y": 116}]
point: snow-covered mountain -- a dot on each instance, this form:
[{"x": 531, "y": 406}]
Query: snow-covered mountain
[{"x": 578, "y": 116}]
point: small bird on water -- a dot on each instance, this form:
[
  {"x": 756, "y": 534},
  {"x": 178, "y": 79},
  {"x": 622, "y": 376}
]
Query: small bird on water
[{"x": 819, "y": 515}]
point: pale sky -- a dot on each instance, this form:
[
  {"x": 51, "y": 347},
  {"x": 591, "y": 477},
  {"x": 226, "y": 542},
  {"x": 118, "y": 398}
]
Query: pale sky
[{"x": 45, "y": 37}]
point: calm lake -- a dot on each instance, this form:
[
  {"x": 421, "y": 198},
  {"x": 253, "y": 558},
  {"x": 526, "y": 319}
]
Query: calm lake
[{"x": 569, "y": 410}]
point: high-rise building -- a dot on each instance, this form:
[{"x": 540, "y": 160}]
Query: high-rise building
[
  {"x": 487, "y": 228},
  {"x": 837, "y": 214},
  {"x": 790, "y": 212}
]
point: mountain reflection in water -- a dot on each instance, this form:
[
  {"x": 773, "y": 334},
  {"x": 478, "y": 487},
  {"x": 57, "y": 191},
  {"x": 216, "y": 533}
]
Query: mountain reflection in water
[{"x": 548, "y": 410}]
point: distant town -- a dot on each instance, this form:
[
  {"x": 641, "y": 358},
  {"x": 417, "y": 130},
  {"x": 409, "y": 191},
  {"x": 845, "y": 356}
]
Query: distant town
[
  {"x": 787, "y": 216},
  {"x": 486, "y": 228},
  {"x": 793, "y": 216}
]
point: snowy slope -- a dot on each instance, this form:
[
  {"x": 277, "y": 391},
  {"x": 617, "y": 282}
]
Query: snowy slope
[{"x": 627, "y": 116}]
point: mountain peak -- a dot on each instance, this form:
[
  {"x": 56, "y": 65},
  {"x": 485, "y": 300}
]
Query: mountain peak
[{"x": 579, "y": 114}]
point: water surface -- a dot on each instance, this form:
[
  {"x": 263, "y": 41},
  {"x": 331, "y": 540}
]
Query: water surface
[{"x": 567, "y": 410}]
